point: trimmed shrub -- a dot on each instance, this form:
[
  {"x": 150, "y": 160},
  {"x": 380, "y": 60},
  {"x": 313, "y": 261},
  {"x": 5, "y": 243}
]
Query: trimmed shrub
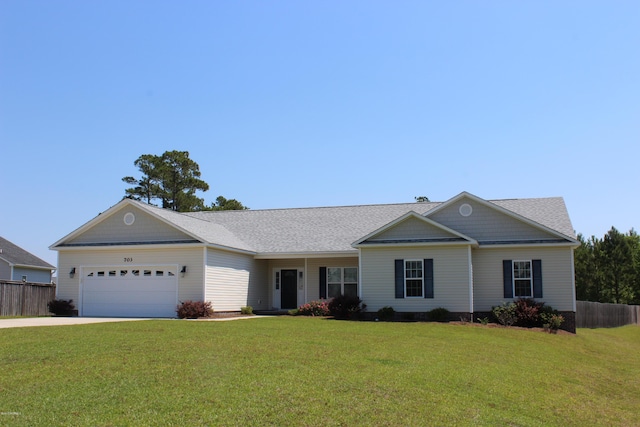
[
  {"x": 552, "y": 321},
  {"x": 528, "y": 312},
  {"x": 61, "y": 307},
  {"x": 246, "y": 310},
  {"x": 314, "y": 308},
  {"x": 346, "y": 307},
  {"x": 439, "y": 314},
  {"x": 194, "y": 309},
  {"x": 386, "y": 314},
  {"x": 293, "y": 312},
  {"x": 505, "y": 314}
]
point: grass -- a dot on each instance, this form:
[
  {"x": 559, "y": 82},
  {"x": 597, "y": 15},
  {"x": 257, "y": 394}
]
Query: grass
[{"x": 311, "y": 371}]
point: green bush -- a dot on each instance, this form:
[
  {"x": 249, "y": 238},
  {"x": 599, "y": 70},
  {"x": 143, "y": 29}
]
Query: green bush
[
  {"x": 505, "y": 313},
  {"x": 194, "y": 309},
  {"x": 61, "y": 307},
  {"x": 528, "y": 312},
  {"x": 552, "y": 321},
  {"x": 246, "y": 310},
  {"x": 314, "y": 308},
  {"x": 293, "y": 312},
  {"x": 346, "y": 307},
  {"x": 484, "y": 320},
  {"x": 386, "y": 314},
  {"x": 439, "y": 314}
]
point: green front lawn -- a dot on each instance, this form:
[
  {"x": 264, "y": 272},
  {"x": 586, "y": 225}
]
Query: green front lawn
[{"x": 316, "y": 372}]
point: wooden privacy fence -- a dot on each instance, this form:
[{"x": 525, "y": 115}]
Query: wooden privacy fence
[
  {"x": 25, "y": 299},
  {"x": 600, "y": 315}
]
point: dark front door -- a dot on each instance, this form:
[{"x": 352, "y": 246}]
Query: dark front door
[{"x": 289, "y": 289}]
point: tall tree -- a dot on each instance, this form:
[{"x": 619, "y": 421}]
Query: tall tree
[
  {"x": 587, "y": 270},
  {"x": 180, "y": 181},
  {"x": 147, "y": 187},
  {"x": 224, "y": 204},
  {"x": 608, "y": 269},
  {"x": 173, "y": 178},
  {"x": 619, "y": 266}
]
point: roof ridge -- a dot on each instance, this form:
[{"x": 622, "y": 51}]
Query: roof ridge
[{"x": 313, "y": 207}]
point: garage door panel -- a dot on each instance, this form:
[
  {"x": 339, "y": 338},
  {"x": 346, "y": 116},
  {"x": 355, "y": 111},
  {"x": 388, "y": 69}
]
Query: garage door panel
[
  {"x": 112, "y": 291},
  {"x": 137, "y": 296},
  {"x": 130, "y": 310}
]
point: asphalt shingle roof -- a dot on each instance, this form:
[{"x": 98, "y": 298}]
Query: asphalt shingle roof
[
  {"x": 14, "y": 254},
  {"x": 331, "y": 229}
]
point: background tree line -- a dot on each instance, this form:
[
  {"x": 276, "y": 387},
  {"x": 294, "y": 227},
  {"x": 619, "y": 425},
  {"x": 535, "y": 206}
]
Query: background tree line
[
  {"x": 173, "y": 180},
  {"x": 608, "y": 269}
]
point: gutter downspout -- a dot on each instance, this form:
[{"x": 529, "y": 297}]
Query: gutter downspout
[
  {"x": 360, "y": 274},
  {"x": 470, "y": 283},
  {"x": 573, "y": 279},
  {"x": 306, "y": 275}
]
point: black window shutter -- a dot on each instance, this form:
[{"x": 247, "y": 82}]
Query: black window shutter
[
  {"x": 507, "y": 274},
  {"x": 536, "y": 266},
  {"x": 428, "y": 278},
  {"x": 323, "y": 283},
  {"x": 399, "y": 278}
]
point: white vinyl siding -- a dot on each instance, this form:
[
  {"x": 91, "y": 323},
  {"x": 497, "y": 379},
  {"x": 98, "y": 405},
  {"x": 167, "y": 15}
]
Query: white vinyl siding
[
  {"x": 412, "y": 228},
  {"x": 486, "y": 224},
  {"x": 557, "y": 282},
  {"x": 235, "y": 280},
  {"x": 145, "y": 229},
  {"x": 451, "y": 278},
  {"x": 190, "y": 287}
]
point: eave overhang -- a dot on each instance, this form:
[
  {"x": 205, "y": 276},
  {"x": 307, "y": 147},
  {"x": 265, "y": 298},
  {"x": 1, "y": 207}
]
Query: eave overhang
[
  {"x": 529, "y": 243},
  {"x": 416, "y": 242},
  {"x": 302, "y": 255}
]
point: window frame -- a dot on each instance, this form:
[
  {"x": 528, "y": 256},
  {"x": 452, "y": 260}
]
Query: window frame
[
  {"x": 414, "y": 279},
  {"x": 342, "y": 281},
  {"x": 529, "y": 267}
]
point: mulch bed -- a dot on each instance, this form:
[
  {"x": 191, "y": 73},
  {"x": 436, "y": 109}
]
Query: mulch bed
[{"x": 496, "y": 325}]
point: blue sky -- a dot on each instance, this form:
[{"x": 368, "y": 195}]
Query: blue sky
[{"x": 318, "y": 103}]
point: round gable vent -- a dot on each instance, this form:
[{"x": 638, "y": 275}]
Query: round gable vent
[
  {"x": 129, "y": 218},
  {"x": 465, "y": 209}
]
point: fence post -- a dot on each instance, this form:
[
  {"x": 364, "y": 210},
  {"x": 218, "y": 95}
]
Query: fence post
[{"x": 24, "y": 297}]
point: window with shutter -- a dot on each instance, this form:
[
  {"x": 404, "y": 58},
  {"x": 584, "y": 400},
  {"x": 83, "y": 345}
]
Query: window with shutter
[{"x": 522, "y": 278}]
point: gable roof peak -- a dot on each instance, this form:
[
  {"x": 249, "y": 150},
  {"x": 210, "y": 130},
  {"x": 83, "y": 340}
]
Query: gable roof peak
[{"x": 15, "y": 255}]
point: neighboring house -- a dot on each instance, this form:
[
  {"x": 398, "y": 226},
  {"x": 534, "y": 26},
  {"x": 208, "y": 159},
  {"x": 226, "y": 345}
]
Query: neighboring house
[
  {"x": 20, "y": 265},
  {"x": 466, "y": 254}
]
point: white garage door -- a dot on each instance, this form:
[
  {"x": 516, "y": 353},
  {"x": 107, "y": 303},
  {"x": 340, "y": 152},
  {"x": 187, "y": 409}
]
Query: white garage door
[{"x": 129, "y": 291}]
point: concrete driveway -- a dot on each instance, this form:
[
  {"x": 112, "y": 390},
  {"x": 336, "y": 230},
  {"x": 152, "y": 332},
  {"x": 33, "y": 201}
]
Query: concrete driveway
[
  {"x": 61, "y": 321},
  {"x": 58, "y": 321}
]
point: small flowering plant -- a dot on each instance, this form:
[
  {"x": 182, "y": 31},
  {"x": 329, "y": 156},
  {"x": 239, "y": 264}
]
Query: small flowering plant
[{"x": 314, "y": 308}]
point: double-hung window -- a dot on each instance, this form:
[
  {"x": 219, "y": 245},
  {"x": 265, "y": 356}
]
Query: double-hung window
[
  {"x": 342, "y": 281},
  {"x": 522, "y": 279},
  {"x": 413, "y": 278}
]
